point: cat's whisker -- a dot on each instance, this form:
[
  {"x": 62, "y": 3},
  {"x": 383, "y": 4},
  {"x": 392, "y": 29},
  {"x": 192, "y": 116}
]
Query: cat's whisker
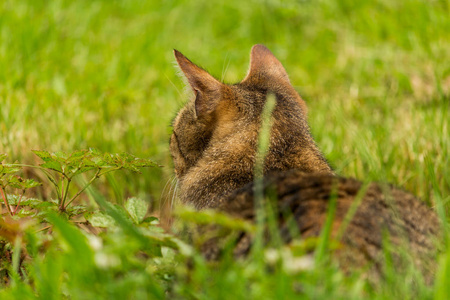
[
  {"x": 175, "y": 194},
  {"x": 173, "y": 191},
  {"x": 162, "y": 197},
  {"x": 166, "y": 192},
  {"x": 170, "y": 192}
]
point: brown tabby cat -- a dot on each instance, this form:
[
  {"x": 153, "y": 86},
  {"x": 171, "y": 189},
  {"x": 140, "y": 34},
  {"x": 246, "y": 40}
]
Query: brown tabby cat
[{"x": 214, "y": 144}]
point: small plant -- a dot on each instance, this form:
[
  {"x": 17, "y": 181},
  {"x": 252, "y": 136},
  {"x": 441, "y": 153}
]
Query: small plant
[
  {"x": 62, "y": 167},
  {"x": 8, "y": 180}
]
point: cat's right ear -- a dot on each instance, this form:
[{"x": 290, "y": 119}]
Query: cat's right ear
[{"x": 207, "y": 89}]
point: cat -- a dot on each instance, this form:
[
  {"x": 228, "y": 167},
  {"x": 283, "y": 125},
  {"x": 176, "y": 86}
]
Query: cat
[{"x": 214, "y": 145}]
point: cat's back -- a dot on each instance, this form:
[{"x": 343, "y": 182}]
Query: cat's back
[{"x": 367, "y": 217}]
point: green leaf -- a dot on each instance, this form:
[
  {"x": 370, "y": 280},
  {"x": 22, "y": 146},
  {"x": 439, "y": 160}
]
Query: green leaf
[
  {"x": 14, "y": 199},
  {"x": 137, "y": 208},
  {"x": 82, "y": 170},
  {"x": 157, "y": 236},
  {"x": 149, "y": 220},
  {"x": 44, "y": 155},
  {"x": 99, "y": 219},
  {"x": 76, "y": 210},
  {"x": 2, "y": 156},
  {"x": 60, "y": 154},
  {"x": 53, "y": 165},
  {"x": 18, "y": 182},
  {"x": 76, "y": 241},
  {"x": 127, "y": 161},
  {"x": 209, "y": 216},
  {"x": 30, "y": 183},
  {"x": 128, "y": 227},
  {"x": 7, "y": 169},
  {"x": 77, "y": 155},
  {"x": 45, "y": 204}
]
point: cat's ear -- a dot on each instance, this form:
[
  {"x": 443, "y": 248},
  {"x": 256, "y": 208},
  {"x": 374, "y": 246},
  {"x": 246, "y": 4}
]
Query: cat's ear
[
  {"x": 265, "y": 67},
  {"x": 207, "y": 89}
]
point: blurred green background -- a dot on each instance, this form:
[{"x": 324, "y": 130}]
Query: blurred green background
[{"x": 91, "y": 73}]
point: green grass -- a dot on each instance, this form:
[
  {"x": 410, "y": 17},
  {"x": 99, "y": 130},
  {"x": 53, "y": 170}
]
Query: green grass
[{"x": 375, "y": 76}]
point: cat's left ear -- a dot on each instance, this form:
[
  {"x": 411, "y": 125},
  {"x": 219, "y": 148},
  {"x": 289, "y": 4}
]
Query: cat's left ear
[
  {"x": 265, "y": 68},
  {"x": 208, "y": 90}
]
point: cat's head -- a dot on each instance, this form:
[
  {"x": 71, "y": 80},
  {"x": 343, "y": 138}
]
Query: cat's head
[{"x": 218, "y": 111}]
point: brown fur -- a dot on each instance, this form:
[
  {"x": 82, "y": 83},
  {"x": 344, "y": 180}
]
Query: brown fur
[
  {"x": 384, "y": 211},
  {"x": 215, "y": 135},
  {"x": 214, "y": 144}
]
